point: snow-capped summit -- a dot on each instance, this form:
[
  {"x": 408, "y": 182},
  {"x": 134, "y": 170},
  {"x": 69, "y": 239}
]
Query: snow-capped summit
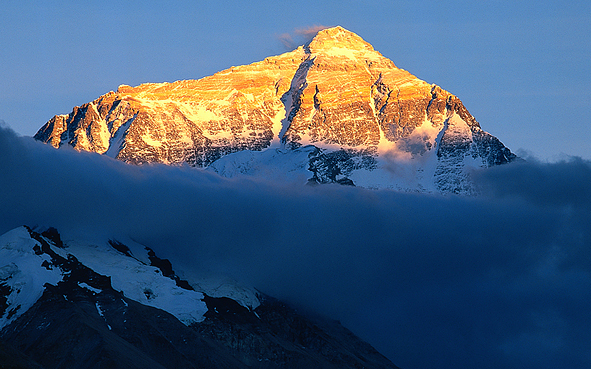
[
  {"x": 362, "y": 115},
  {"x": 337, "y": 38}
]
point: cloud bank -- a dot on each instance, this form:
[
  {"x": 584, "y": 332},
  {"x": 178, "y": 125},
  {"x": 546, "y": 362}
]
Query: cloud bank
[{"x": 498, "y": 280}]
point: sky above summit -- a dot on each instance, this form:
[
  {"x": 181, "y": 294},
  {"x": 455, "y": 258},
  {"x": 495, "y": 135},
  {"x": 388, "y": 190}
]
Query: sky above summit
[{"x": 521, "y": 68}]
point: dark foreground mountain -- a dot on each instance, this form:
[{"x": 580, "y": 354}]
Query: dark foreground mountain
[
  {"x": 115, "y": 305},
  {"x": 333, "y": 110}
]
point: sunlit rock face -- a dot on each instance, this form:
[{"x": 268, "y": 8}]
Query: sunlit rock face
[{"x": 336, "y": 93}]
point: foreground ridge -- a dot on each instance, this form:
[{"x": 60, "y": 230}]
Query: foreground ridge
[
  {"x": 333, "y": 110},
  {"x": 57, "y": 311}
]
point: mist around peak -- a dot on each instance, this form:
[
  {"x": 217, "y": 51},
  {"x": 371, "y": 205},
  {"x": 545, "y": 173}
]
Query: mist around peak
[{"x": 299, "y": 36}]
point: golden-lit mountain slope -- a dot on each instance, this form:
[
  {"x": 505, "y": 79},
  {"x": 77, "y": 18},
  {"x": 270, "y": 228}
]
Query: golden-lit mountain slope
[{"x": 336, "y": 93}]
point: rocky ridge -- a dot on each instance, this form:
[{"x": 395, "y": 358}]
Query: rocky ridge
[
  {"x": 361, "y": 114},
  {"x": 58, "y": 312}
]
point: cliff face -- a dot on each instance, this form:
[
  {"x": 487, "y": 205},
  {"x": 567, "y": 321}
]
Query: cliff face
[
  {"x": 336, "y": 93},
  {"x": 195, "y": 121}
]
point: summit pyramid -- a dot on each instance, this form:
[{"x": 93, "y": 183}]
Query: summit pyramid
[{"x": 332, "y": 110}]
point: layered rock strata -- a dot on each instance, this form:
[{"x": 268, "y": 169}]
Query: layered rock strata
[{"x": 336, "y": 93}]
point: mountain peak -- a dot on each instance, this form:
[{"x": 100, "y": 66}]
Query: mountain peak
[
  {"x": 350, "y": 110},
  {"x": 338, "y": 37}
]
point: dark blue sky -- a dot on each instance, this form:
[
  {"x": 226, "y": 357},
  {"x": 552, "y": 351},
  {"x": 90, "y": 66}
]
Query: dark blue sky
[{"x": 521, "y": 68}]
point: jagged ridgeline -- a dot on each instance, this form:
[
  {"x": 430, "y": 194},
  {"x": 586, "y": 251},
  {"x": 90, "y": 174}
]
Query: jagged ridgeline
[
  {"x": 333, "y": 110},
  {"x": 115, "y": 305}
]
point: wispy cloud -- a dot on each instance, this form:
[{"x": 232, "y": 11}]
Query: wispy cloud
[
  {"x": 502, "y": 280},
  {"x": 309, "y": 32},
  {"x": 299, "y": 36}
]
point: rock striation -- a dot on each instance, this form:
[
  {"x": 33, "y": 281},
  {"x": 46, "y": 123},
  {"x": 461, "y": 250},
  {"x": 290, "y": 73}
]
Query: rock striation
[{"x": 336, "y": 93}]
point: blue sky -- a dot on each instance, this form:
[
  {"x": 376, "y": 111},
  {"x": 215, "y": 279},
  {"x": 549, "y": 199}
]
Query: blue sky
[{"x": 521, "y": 68}]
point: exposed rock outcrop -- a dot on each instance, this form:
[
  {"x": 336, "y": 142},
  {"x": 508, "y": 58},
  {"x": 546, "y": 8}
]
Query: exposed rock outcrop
[
  {"x": 79, "y": 320},
  {"x": 336, "y": 93}
]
